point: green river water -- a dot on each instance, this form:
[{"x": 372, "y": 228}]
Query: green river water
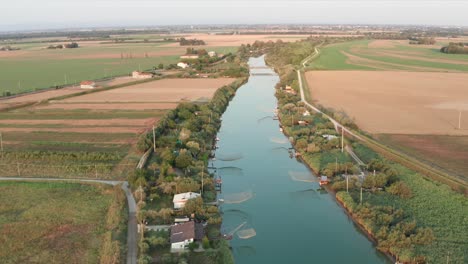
[{"x": 294, "y": 221}]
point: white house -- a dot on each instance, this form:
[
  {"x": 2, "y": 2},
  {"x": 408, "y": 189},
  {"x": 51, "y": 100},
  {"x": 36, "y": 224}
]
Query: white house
[
  {"x": 182, "y": 65},
  {"x": 329, "y": 137},
  {"x": 306, "y": 113},
  {"x": 141, "y": 75},
  {"x": 212, "y": 54},
  {"x": 181, "y": 198},
  {"x": 182, "y": 235},
  {"x": 87, "y": 85}
]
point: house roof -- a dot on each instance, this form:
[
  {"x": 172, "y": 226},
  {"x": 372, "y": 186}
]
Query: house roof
[
  {"x": 182, "y": 232},
  {"x": 181, "y": 197},
  {"x": 87, "y": 83}
]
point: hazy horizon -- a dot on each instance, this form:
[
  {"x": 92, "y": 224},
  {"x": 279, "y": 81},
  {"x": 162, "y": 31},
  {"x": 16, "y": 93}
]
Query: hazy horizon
[{"x": 54, "y": 14}]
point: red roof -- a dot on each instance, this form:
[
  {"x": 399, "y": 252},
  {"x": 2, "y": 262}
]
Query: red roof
[{"x": 87, "y": 83}]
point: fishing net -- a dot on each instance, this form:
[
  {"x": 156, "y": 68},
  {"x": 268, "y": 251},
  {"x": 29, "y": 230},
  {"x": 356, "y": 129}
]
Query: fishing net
[
  {"x": 229, "y": 157},
  {"x": 230, "y": 171},
  {"x": 236, "y": 215},
  {"x": 264, "y": 118},
  {"x": 237, "y": 198},
  {"x": 280, "y": 149},
  {"x": 302, "y": 176},
  {"x": 246, "y": 233},
  {"x": 246, "y": 251},
  {"x": 279, "y": 140},
  {"x": 304, "y": 195}
]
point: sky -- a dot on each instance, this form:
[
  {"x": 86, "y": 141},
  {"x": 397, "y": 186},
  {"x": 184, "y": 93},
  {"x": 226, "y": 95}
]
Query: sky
[{"x": 45, "y": 14}]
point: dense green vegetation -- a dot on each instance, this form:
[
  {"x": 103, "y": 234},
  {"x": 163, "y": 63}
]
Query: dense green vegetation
[
  {"x": 455, "y": 48},
  {"x": 185, "y": 138},
  {"x": 414, "y": 219},
  {"x": 53, "y": 222}
]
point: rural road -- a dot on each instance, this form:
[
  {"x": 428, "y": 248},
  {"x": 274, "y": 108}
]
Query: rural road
[
  {"x": 299, "y": 77},
  {"x": 132, "y": 221}
]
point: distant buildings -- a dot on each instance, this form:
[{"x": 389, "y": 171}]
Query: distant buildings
[
  {"x": 288, "y": 89},
  {"x": 181, "y": 198},
  {"x": 141, "y": 75},
  {"x": 190, "y": 56},
  {"x": 329, "y": 137},
  {"x": 87, "y": 85},
  {"x": 212, "y": 54},
  {"x": 182, "y": 65}
]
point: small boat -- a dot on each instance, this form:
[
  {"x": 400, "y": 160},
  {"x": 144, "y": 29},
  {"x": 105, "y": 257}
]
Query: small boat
[
  {"x": 217, "y": 139},
  {"x": 281, "y": 129}
]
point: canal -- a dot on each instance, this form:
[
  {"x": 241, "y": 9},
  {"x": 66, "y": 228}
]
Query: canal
[{"x": 280, "y": 218}]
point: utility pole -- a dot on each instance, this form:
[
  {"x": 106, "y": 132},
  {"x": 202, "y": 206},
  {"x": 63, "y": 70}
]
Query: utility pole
[
  {"x": 459, "y": 119},
  {"x": 347, "y": 183},
  {"x": 202, "y": 174},
  {"x": 336, "y": 164},
  {"x": 1, "y": 143},
  {"x": 154, "y": 140},
  {"x": 342, "y": 139},
  {"x": 361, "y": 196}
]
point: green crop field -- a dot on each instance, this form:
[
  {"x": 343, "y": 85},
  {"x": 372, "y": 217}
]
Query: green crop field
[
  {"x": 39, "y": 73},
  {"x": 60, "y": 222},
  {"x": 35, "y": 67},
  {"x": 387, "y": 55}
]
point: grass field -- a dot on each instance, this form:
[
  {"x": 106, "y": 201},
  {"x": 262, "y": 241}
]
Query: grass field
[
  {"x": 387, "y": 55},
  {"x": 58, "y": 222},
  {"x": 34, "y": 67},
  {"x": 447, "y": 152},
  {"x": 98, "y": 132}
]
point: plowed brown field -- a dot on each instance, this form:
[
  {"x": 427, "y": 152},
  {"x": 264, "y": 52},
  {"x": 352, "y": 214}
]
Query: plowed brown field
[{"x": 395, "y": 102}]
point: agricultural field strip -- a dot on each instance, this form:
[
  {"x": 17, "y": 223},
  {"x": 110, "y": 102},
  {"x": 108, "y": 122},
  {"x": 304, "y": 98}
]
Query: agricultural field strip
[
  {"x": 131, "y": 235},
  {"x": 400, "y": 157}
]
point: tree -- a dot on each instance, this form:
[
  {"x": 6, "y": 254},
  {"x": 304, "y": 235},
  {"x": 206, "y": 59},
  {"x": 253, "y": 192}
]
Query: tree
[
  {"x": 301, "y": 144},
  {"x": 400, "y": 189},
  {"x": 183, "y": 161},
  {"x": 161, "y": 66},
  {"x": 194, "y": 147}
]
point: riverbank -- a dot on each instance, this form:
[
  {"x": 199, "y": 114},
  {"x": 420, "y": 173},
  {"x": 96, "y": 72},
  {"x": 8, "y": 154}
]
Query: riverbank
[
  {"x": 404, "y": 212},
  {"x": 269, "y": 194}
]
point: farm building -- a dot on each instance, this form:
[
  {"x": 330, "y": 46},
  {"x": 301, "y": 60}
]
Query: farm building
[
  {"x": 323, "y": 180},
  {"x": 303, "y": 123},
  {"x": 87, "y": 85},
  {"x": 288, "y": 89},
  {"x": 212, "y": 54},
  {"x": 181, "y": 198},
  {"x": 189, "y": 56},
  {"x": 182, "y": 65},
  {"x": 182, "y": 235},
  {"x": 329, "y": 137},
  {"x": 141, "y": 75}
]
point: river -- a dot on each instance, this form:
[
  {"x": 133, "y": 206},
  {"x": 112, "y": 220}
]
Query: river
[{"x": 294, "y": 221}]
